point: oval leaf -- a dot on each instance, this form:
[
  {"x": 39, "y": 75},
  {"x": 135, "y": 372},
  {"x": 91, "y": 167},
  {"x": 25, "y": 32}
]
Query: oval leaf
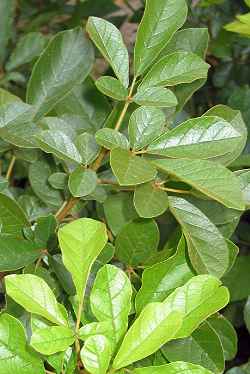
[{"x": 96, "y": 354}]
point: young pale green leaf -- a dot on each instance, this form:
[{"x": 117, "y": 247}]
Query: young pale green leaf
[
  {"x": 136, "y": 241},
  {"x": 27, "y": 49},
  {"x": 59, "y": 144},
  {"x": 108, "y": 40},
  {"x": 96, "y": 328},
  {"x": 96, "y": 354},
  {"x": 87, "y": 147},
  {"x": 207, "y": 248},
  {"x": 130, "y": 169},
  {"x": 111, "y": 139},
  {"x": 162, "y": 18},
  {"x": 110, "y": 300},
  {"x": 155, "y": 326},
  {"x": 17, "y": 253},
  {"x": 203, "y": 347},
  {"x": 150, "y": 201},
  {"x": 66, "y": 61},
  {"x": 203, "y": 138},
  {"x": 35, "y": 296},
  {"x": 145, "y": 125},
  {"x": 199, "y": 298},
  {"x": 163, "y": 278},
  {"x": 213, "y": 180},
  {"x": 15, "y": 357},
  {"x": 12, "y": 217},
  {"x": 112, "y": 87},
  {"x": 173, "y": 368},
  {"x": 176, "y": 68},
  {"x": 82, "y": 182},
  {"x": 155, "y": 96},
  {"x": 52, "y": 339},
  {"x": 81, "y": 242}
]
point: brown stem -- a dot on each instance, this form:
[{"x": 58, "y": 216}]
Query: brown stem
[{"x": 10, "y": 168}]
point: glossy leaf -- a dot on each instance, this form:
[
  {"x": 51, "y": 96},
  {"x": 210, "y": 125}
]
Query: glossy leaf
[
  {"x": 82, "y": 182},
  {"x": 87, "y": 147},
  {"x": 52, "y": 339},
  {"x": 12, "y": 217},
  {"x": 111, "y": 139},
  {"x": 35, "y": 296},
  {"x": 66, "y": 61},
  {"x": 173, "y": 368},
  {"x": 81, "y": 242},
  {"x": 160, "y": 21},
  {"x": 112, "y": 87},
  {"x": 130, "y": 169},
  {"x": 108, "y": 40},
  {"x": 155, "y": 96},
  {"x": 96, "y": 354}
]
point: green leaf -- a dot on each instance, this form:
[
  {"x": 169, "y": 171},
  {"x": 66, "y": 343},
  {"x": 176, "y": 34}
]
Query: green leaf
[
  {"x": 66, "y": 61},
  {"x": 213, "y": 180},
  {"x": 112, "y": 87},
  {"x": 58, "y": 180},
  {"x": 163, "y": 278},
  {"x": 87, "y": 147},
  {"x": 35, "y": 296},
  {"x": 62, "y": 274},
  {"x": 52, "y": 339},
  {"x": 27, "y": 49},
  {"x": 7, "y": 14},
  {"x": 110, "y": 300},
  {"x": 96, "y": 354},
  {"x": 155, "y": 326},
  {"x": 111, "y": 139},
  {"x": 15, "y": 355},
  {"x": 173, "y": 368},
  {"x": 145, "y": 125},
  {"x": 245, "y": 185},
  {"x": 136, "y": 241},
  {"x": 45, "y": 229},
  {"x": 108, "y": 40},
  {"x": 12, "y": 217},
  {"x": 81, "y": 242},
  {"x": 17, "y": 253},
  {"x": 207, "y": 248},
  {"x": 96, "y": 328},
  {"x": 150, "y": 201},
  {"x": 160, "y": 21},
  {"x": 82, "y": 182},
  {"x": 204, "y": 138},
  {"x": 130, "y": 169},
  {"x": 155, "y": 96},
  {"x": 176, "y": 68},
  {"x": 199, "y": 298},
  {"x": 203, "y": 347},
  {"x": 247, "y": 314},
  {"x": 15, "y": 113}
]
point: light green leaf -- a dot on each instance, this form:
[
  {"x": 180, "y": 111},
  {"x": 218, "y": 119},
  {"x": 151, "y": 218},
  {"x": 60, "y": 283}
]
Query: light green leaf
[
  {"x": 199, "y": 298},
  {"x": 59, "y": 144},
  {"x": 155, "y": 326},
  {"x": 110, "y": 300},
  {"x": 108, "y": 40},
  {"x": 15, "y": 356},
  {"x": 7, "y": 14},
  {"x": 136, "y": 241},
  {"x": 12, "y": 217},
  {"x": 82, "y": 182},
  {"x": 35, "y": 296},
  {"x": 87, "y": 147},
  {"x": 203, "y": 347},
  {"x": 96, "y": 354},
  {"x": 112, "y": 87},
  {"x": 213, "y": 180},
  {"x": 155, "y": 96},
  {"x": 145, "y": 125},
  {"x": 207, "y": 248},
  {"x": 52, "y": 339},
  {"x": 244, "y": 177},
  {"x": 130, "y": 169},
  {"x": 162, "y": 18},
  {"x": 176, "y": 68},
  {"x": 173, "y": 368},
  {"x": 202, "y": 138},
  {"x": 111, "y": 139},
  {"x": 96, "y": 328},
  {"x": 66, "y": 61},
  {"x": 15, "y": 113},
  {"x": 150, "y": 201},
  {"x": 81, "y": 242},
  {"x": 163, "y": 278}
]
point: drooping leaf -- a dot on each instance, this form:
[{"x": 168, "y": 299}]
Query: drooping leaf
[
  {"x": 52, "y": 339},
  {"x": 160, "y": 21},
  {"x": 12, "y": 217},
  {"x": 215, "y": 181},
  {"x": 108, "y": 40},
  {"x": 81, "y": 242},
  {"x": 65, "y": 62},
  {"x": 112, "y": 87},
  {"x": 110, "y": 139},
  {"x": 82, "y": 182},
  {"x": 155, "y": 96},
  {"x": 87, "y": 147},
  {"x": 96, "y": 354},
  {"x": 35, "y": 296},
  {"x": 130, "y": 169},
  {"x": 173, "y": 368}
]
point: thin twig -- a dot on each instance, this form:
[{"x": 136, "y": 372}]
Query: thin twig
[
  {"x": 173, "y": 190},
  {"x": 10, "y": 168}
]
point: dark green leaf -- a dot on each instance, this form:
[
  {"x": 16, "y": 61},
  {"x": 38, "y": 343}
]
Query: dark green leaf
[
  {"x": 12, "y": 217},
  {"x": 87, "y": 147},
  {"x": 237, "y": 280},
  {"x": 58, "y": 180},
  {"x": 7, "y": 14}
]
